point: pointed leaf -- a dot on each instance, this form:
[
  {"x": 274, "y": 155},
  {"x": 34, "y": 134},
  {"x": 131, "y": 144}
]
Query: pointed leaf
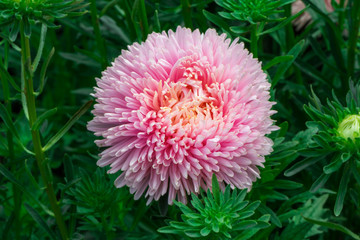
[
  {"x": 299, "y": 166},
  {"x": 216, "y": 189},
  {"x": 42, "y": 118},
  {"x": 273, "y": 217},
  {"x": 319, "y": 183},
  {"x": 68, "y": 125},
  {"x": 7, "y": 174},
  {"x": 342, "y": 190},
  {"x": 333, "y": 226},
  {"x": 37, "y": 218},
  {"x": 277, "y": 60},
  {"x": 283, "y": 67},
  {"x": 40, "y": 48}
]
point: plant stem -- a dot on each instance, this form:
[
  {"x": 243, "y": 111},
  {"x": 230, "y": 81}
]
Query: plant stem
[
  {"x": 186, "y": 11},
  {"x": 44, "y": 169},
  {"x": 254, "y": 40},
  {"x": 354, "y": 31},
  {"x": 99, "y": 40}
]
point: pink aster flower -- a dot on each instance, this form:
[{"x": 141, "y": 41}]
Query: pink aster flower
[{"x": 179, "y": 107}]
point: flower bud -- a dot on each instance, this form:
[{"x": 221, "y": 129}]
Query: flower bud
[{"x": 350, "y": 127}]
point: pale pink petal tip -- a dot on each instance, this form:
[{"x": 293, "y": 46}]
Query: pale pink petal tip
[{"x": 179, "y": 107}]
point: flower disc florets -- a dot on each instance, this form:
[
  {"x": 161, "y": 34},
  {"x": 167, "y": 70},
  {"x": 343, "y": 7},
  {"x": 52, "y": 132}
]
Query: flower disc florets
[{"x": 179, "y": 107}]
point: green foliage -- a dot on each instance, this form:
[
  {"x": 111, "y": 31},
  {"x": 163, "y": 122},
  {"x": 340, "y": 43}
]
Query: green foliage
[
  {"x": 218, "y": 215},
  {"x": 253, "y": 11},
  {"x": 329, "y": 140},
  {"x": 62, "y": 56},
  {"x": 33, "y": 11}
]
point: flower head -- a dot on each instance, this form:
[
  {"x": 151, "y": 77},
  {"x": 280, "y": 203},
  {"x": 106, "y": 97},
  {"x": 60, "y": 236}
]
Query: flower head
[{"x": 179, "y": 107}]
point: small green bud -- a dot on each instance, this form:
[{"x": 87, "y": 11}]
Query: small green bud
[{"x": 350, "y": 127}]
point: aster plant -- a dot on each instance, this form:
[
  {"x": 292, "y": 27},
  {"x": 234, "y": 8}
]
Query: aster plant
[
  {"x": 218, "y": 215},
  {"x": 171, "y": 117},
  {"x": 336, "y": 142}
]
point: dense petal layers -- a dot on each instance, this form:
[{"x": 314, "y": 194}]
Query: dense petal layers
[{"x": 179, "y": 107}]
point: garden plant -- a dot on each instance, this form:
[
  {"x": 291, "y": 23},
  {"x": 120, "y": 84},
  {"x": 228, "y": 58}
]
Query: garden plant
[{"x": 180, "y": 119}]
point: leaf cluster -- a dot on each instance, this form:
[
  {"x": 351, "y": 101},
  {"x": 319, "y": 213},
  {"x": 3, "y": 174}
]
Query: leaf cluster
[
  {"x": 327, "y": 143},
  {"x": 31, "y": 12},
  {"x": 218, "y": 215}
]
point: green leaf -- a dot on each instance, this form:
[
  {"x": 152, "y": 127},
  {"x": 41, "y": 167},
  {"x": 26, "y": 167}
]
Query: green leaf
[
  {"x": 5, "y": 116},
  {"x": 205, "y": 231},
  {"x": 68, "y": 125},
  {"x": 14, "y": 31},
  {"x": 170, "y": 230},
  {"x": 7, "y": 174},
  {"x": 319, "y": 182},
  {"x": 283, "y": 67},
  {"x": 282, "y": 184},
  {"x": 299, "y": 166},
  {"x": 339, "y": 203},
  {"x": 42, "y": 118},
  {"x": 283, "y": 23},
  {"x": 7, "y": 76},
  {"x": 37, "y": 218},
  {"x": 218, "y": 21},
  {"x": 273, "y": 217},
  {"x": 40, "y": 48},
  {"x": 333, "y": 35},
  {"x": 246, "y": 224},
  {"x": 215, "y": 189},
  {"x": 333, "y": 226},
  {"x": 43, "y": 70},
  {"x": 277, "y": 60},
  {"x": 333, "y": 166},
  {"x": 7, "y": 226}
]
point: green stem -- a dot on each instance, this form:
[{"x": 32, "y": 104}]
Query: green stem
[
  {"x": 354, "y": 31},
  {"x": 254, "y": 40},
  {"x": 39, "y": 153},
  {"x": 99, "y": 40},
  {"x": 186, "y": 11}
]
